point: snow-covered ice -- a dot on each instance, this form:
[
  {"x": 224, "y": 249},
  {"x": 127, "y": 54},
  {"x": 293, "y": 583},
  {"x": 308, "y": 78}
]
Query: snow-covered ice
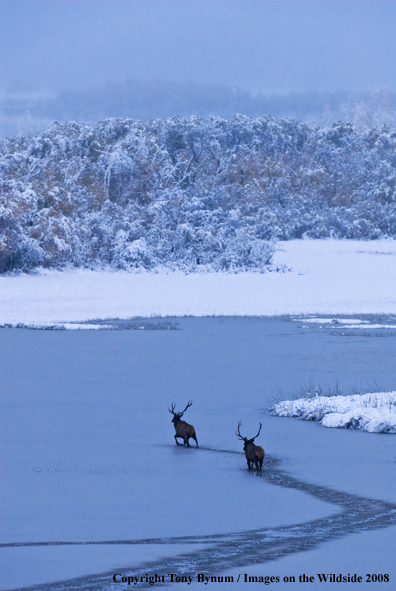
[
  {"x": 326, "y": 277},
  {"x": 372, "y": 412}
]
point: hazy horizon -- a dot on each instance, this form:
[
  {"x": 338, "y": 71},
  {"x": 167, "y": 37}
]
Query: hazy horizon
[{"x": 259, "y": 46}]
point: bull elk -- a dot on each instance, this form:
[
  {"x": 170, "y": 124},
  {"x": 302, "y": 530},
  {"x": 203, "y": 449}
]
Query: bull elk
[
  {"x": 254, "y": 453},
  {"x": 183, "y": 430}
]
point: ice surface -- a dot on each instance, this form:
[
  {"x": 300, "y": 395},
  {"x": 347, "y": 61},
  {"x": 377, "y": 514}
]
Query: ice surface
[
  {"x": 369, "y": 326},
  {"x": 24, "y": 566},
  {"x": 331, "y": 321},
  {"x": 354, "y": 554},
  {"x": 88, "y": 452}
]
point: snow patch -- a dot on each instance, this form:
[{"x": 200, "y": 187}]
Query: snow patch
[{"x": 373, "y": 412}]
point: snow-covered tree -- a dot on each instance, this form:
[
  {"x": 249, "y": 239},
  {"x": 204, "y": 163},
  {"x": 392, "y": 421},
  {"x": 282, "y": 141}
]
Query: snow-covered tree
[{"x": 189, "y": 194}]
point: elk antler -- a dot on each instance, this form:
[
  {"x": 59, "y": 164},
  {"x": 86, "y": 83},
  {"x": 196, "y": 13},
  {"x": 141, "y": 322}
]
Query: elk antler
[
  {"x": 189, "y": 403},
  {"x": 257, "y": 433},
  {"x": 237, "y": 433},
  {"x": 179, "y": 414}
]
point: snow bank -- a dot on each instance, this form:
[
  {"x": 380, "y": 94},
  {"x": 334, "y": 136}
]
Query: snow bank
[
  {"x": 375, "y": 413},
  {"x": 326, "y": 277}
]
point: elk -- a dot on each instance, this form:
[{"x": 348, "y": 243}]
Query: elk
[
  {"x": 183, "y": 430},
  {"x": 254, "y": 453}
]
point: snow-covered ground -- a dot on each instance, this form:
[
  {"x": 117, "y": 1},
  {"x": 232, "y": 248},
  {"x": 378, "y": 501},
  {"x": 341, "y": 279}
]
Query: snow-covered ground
[
  {"x": 326, "y": 277},
  {"x": 375, "y": 413}
]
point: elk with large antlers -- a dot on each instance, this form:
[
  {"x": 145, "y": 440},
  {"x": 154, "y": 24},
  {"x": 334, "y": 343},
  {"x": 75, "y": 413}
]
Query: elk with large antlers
[
  {"x": 183, "y": 430},
  {"x": 254, "y": 453}
]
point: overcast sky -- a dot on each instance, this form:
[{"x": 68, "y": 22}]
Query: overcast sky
[{"x": 255, "y": 45}]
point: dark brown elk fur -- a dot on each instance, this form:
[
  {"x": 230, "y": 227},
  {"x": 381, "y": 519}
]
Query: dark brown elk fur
[
  {"x": 254, "y": 453},
  {"x": 183, "y": 430}
]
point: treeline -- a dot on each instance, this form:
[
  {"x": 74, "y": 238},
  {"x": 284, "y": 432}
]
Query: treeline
[
  {"x": 155, "y": 99},
  {"x": 190, "y": 194}
]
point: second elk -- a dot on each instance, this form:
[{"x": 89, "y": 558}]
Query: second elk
[
  {"x": 254, "y": 453},
  {"x": 183, "y": 430}
]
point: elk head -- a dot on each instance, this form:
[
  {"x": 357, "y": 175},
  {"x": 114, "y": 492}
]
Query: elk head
[{"x": 177, "y": 415}]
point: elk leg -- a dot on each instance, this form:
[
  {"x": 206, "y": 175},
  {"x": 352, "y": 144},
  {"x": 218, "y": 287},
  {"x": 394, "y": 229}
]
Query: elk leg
[
  {"x": 248, "y": 463},
  {"x": 195, "y": 439},
  {"x": 186, "y": 442},
  {"x": 177, "y": 440}
]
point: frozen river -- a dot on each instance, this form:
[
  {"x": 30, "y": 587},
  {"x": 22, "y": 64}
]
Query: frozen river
[{"x": 93, "y": 484}]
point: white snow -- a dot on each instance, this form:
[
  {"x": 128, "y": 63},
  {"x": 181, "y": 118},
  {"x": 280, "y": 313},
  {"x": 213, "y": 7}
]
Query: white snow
[
  {"x": 326, "y": 277},
  {"x": 375, "y": 413}
]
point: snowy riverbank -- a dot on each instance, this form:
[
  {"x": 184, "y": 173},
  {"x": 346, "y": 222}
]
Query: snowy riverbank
[
  {"x": 373, "y": 412},
  {"x": 325, "y": 277}
]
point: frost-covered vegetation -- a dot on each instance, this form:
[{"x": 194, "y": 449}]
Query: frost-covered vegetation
[
  {"x": 189, "y": 194},
  {"x": 373, "y": 412}
]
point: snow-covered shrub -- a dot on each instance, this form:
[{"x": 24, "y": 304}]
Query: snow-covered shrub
[
  {"x": 131, "y": 254},
  {"x": 188, "y": 193}
]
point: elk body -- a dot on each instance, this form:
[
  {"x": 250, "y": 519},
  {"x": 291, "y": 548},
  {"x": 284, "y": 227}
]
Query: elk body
[
  {"x": 183, "y": 430},
  {"x": 254, "y": 453}
]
